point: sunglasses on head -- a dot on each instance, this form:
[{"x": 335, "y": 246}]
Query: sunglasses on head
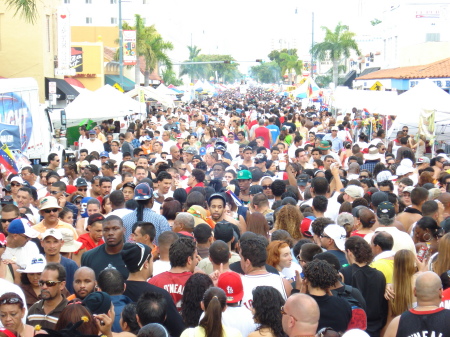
[
  {"x": 50, "y": 210},
  {"x": 48, "y": 283},
  {"x": 13, "y": 300}
]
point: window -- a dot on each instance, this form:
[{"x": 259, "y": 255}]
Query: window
[
  {"x": 113, "y": 2},
  {"x": 114, "y": 21},
  {"x": 145, "y": 2},
  {"x": 88, "y": 1},
  {"x": 88, "y": 20},
  {"x": 47, "y": 19},
  {"x": 67, "y": 1},
  {"x": 433, "y": 37}
]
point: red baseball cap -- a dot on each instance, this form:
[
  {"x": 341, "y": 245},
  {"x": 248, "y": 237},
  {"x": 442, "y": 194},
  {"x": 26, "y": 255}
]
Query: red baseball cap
[
  {"x": 231, "y": 283},
  {"x": 305, "y": 226}
]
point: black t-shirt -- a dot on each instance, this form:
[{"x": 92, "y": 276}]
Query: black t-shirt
[
  {"x": 174, "y": 322},
  {"x": 292, "y": 126},
  {"x": 98, "y": 259},
  {"x": 335, "y": 312}
]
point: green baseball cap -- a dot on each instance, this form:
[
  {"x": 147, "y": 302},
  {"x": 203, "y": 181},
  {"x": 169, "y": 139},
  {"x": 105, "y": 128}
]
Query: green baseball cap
[
  {"x": 324, "y": 145},
  {"x": 244, "y": 174}
]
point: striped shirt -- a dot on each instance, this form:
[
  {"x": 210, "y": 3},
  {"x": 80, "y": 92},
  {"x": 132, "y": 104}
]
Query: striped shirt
[{"x": 37, "y": 315}]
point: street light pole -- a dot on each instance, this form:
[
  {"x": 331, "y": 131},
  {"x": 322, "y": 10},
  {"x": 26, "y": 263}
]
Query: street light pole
[
  {"x": 312, "y": 44},
  {"x": 120, "y": 45}
]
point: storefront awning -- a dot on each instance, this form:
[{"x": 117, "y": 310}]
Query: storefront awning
[
  {"x": 348, "y": 79},
  {"x": 74, "y": 82},
  {"x": 113, "y": 79},
  {"x": 63, "y": 89}
]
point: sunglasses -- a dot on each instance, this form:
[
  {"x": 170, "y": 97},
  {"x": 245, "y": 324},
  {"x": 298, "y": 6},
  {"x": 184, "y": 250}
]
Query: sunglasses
[
  {"x": 50, "y": 210},
  {"x": 77, "y": 202},
  {"x": 54, "y": 192},
  {"x": 266, "y": 187},
  {"x": 13, "y": 300},
  {"x": 285, "y": 313},
  {"x": 82, "y": 189},
  {"x": 8, "y": 220},
  {"x": 48, "y": 283},
  {"x": 15, "y": 185}
]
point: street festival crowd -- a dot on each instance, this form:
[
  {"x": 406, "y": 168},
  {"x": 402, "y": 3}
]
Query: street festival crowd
[{"x": 243, "y": 214}]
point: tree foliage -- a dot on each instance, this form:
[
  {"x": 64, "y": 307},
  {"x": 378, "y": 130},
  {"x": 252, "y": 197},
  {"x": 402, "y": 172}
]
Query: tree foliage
[
  {"x": 169, "y": 77},
  {"x": 275, "y": 55},
  {"x": 268, "y": 72},
  {"x": 26, "y": 9},
  {"x": 228, "y": 72},
  {"x": 337, "y": 46}
]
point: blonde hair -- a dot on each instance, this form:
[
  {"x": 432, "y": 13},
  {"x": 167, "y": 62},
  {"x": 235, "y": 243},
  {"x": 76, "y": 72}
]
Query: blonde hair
[
  {"x": 442, "y": 263},
  {"x": 290, "y": 218},
  {"x": 404, "y": 269}
]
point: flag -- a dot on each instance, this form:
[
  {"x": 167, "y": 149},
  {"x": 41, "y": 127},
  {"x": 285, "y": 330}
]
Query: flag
[
  {"x": 7, "y": 159},
  {"x": 309, "y": 91},
  {"x": 233, "y": 196}
]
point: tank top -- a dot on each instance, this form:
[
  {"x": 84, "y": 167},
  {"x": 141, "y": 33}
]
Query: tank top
[
  {"x": 418, "y": 323},
  {"x": 250, "y": 282},
  {"x": 265, "y": 133}
]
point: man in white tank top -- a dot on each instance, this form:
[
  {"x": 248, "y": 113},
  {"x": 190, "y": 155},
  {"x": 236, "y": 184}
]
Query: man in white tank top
[{"x": 253, "y": 259}]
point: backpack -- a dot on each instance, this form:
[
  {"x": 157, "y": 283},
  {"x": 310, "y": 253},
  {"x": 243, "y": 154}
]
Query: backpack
[{"x": 359, "y": 316}]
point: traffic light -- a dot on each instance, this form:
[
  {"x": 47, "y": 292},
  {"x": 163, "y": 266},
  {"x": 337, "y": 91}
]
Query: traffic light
[
  {"x": 228, "y": 62},
  {"x": 259, "y": 60}
]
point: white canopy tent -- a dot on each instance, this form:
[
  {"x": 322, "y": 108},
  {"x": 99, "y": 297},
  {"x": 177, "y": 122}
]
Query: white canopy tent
[
  {"x": 408, "y": 107},
  {"x": 163, "y": 90},
  {"x": 345, "y": 99},
  {"x": 104, "y": 103},
  {"x": 151, "y": 93}
]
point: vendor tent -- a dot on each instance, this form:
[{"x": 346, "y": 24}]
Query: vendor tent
[
  {"x": 152, "y": 94},
  {"x": 426, "y": 96},
  {"x": 307, "y": 89},
  {"x": 104, "y": 103},
  {"x": 163, "y": 90}
]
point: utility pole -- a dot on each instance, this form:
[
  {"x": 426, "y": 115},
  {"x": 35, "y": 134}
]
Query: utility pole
[
  {"x": 120, "y": 45},
  {"x": 312, "y": 44}
]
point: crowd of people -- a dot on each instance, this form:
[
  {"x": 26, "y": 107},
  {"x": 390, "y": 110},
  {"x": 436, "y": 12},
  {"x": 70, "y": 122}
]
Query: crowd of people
[{"x": 243, "y": 214}]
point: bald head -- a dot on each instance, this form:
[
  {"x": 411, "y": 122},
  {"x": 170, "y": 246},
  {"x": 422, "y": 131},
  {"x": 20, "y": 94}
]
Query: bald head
[
  {"x": 306, "y": 313},
  {"x": 353, "y": 168},
  {"x": 428, "y": 288},
  {"x": 84, "y": 282}
]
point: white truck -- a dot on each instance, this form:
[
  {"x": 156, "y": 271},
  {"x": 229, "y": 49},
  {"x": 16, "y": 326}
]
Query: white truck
[{"x": 19, "y": 106}]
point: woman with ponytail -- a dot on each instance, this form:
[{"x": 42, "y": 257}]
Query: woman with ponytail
[{"x": 214, "y": 303}]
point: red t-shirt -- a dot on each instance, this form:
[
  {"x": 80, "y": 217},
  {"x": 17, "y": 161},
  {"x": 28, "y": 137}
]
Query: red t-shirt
[
  {"x": 87, "y": 242},
  {"x": 264, "y": 132},
  {"x": 188, "y": 189},
  {"x": 173, "y": 283}
]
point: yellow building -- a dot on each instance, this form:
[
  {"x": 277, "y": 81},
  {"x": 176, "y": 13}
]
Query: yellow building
[
  {"x": 108, "y": 35},
  {"x": 29, "y": 50}
]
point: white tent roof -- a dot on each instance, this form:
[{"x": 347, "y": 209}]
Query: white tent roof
[
  {"x": 101, "y": 104},
  {"x": 152, "y": 93},
  {"x": 163, "y": 90},
  {"x": 424, "y": 96},
  {"x": 374, "y": 101}
]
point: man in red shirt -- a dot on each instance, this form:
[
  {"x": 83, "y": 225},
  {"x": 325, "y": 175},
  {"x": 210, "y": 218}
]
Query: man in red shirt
[
  {"x": 195, "y": 179},
  {"x": 183, "y": 259},
  {"x": 262, "y": 131}
]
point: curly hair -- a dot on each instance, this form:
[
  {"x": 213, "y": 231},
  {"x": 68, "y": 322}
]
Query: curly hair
[
  {"x": 289, "y": 218},
  {"x": 194, "y": 290},
  {"x": 320, "y": 274},
  {"x": 267, "y": 302},
  {"x": 273, "y": 252},
  {"x": 180, "y": 251},
  {"x": 319, "y": 225},
  {"x": 360, "y": 249}
]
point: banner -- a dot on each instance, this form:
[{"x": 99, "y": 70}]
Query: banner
[
  {"x": 10, "y": 136},
  {"x": 129, "y": 47},
  {"x": 64, "y": 38}
]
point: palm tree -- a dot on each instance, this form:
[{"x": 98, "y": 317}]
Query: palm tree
[
  {"x": 290, "y": 63},
  {"x": 193, "y": 70},
  {"x": 151, "y": 46},
  {"x": 27, "y": 9},
  {"x": 337, "y": 46}
]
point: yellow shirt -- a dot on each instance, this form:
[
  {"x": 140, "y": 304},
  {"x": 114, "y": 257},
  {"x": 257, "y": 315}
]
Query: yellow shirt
[
  {"x": 386, "y": 267},
  {"x": 102, "y": 137},
  {"x": 61, "y": 224}
]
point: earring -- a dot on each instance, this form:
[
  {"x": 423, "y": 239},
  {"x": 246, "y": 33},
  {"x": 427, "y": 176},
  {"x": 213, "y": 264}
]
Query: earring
[{"x": 429, "y": 237}]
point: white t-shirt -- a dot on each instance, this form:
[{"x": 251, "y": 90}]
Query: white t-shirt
[
  {"x": 21, "y": 255},
  {"x": 121, "y": 212},
  {"x": 402, "y": 240},
  {"x": 117, "y": 157},
  {"x": 160, "y": 267},
  {"x": 250, "y": 282},
  {"x": 239, "y": 318}
]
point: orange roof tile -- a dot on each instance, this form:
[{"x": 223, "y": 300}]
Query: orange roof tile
[
  {"x": 436, "y": 69},
  {"x": 154, "y": 75},
  {"x": 108, "y": 53}
]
